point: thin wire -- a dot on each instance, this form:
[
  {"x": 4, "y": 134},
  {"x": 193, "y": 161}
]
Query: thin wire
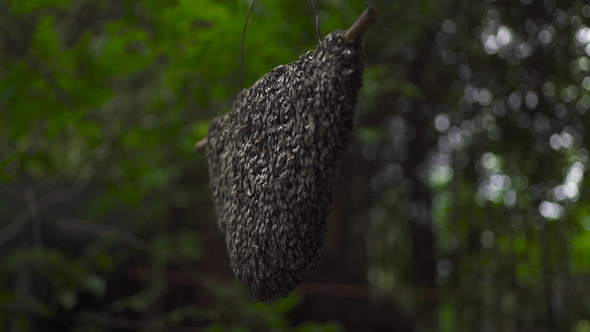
[
  {"x": 242, "y": 46},
  {"x": 317, "y": 21}
]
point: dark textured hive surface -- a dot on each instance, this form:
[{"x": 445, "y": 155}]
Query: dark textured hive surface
[{"x": 273, "y": 162}]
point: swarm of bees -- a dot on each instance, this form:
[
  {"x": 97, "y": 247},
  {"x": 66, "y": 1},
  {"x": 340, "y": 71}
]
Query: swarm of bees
[{"x": 273, "y": 163}]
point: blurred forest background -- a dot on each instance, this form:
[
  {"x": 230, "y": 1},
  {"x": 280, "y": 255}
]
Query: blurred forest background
[{"x": 462, "y": 205}]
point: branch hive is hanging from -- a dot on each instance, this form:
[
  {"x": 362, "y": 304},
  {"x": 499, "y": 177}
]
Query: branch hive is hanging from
[{"x": 273, "y": 162}]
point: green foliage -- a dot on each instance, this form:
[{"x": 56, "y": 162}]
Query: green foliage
[
  {"x": 101, "y": 104},
  {"x": 20, "y": 7},
  {"x": 492, "y": 105},
  {"x": 472, "y": 125}
]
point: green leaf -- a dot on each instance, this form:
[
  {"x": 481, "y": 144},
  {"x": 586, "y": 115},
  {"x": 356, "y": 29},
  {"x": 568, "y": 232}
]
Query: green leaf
[
  {"x": 287, "y": 304},
  {"x": 369, "y": 135},
  {"x": 95, "y": 284},
  {"x": 68, "y": 299},
  {"x": 24, "y": 323},
  {"x": 45, "y": 42},
  {"x": 104, "y": 261},
  {"x": 216, "y": 328},
  {"x": 189, "y": 245},
  {"x": 25, "y": 7},
  {"x": 200, "y": 130}
]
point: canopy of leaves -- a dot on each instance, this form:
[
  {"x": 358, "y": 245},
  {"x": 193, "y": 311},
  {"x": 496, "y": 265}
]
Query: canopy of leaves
[{"x": 461, "y": 207}]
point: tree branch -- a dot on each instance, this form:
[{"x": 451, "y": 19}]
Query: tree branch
[
  {"x": 60, "y": 196},
  {"x": 56, "y": 197},
  {"x": 35, "y": 215},
  {"x": 100, "y": 320},
  {"x": 12, "y": 193},
  {"x": 85, "y": 226},
  {"x": 201, "y": 145},
  {"x": 15, "y": 227},
  {"x": 369, "y": 17}
]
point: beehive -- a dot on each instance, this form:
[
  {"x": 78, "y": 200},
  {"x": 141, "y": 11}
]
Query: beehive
[{"x": 273, "y": 163}]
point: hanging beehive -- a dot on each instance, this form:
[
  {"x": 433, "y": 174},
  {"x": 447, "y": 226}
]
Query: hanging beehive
[{"x": 273, "y": 162}]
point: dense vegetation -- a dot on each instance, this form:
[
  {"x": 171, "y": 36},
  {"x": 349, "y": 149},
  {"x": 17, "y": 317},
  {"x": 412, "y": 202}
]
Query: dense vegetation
[{"x": 462, "y": 205}]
